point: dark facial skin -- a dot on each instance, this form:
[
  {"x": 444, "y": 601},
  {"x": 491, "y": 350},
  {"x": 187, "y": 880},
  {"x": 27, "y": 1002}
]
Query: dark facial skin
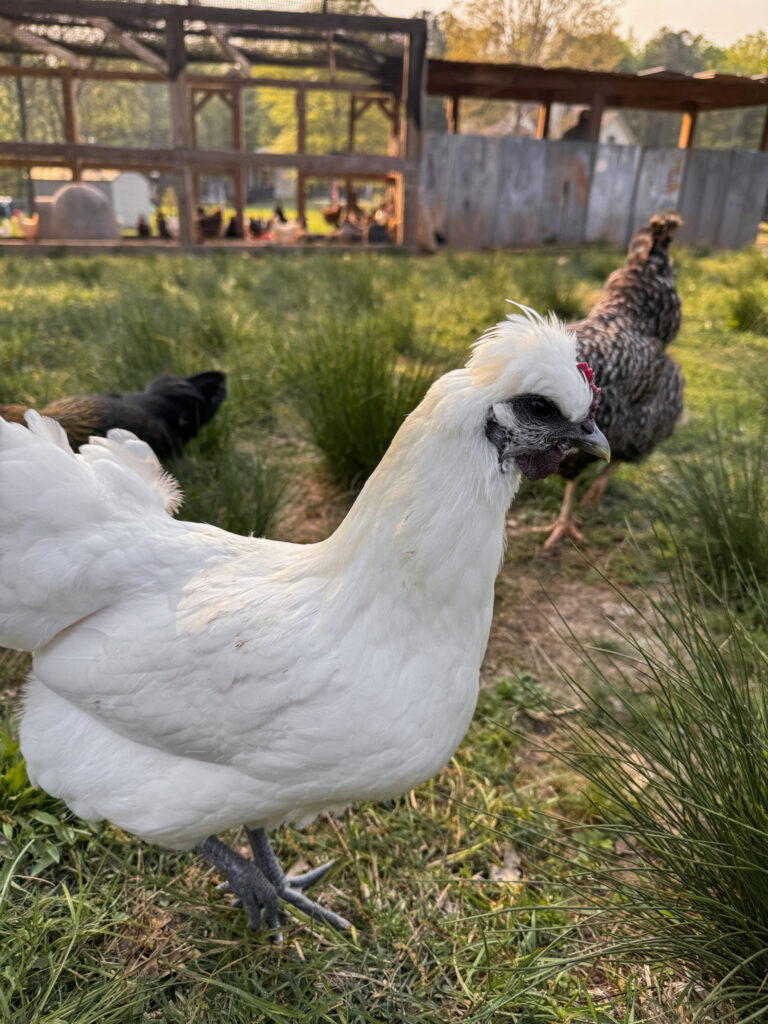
[{"x": 539, "y": 437}]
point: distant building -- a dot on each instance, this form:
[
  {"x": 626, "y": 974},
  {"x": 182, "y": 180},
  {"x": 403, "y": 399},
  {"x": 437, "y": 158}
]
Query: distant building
[{"x": 129, "y": 193}]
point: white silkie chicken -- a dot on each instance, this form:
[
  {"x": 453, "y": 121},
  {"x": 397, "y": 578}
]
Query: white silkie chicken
[{"x": 187, "y": 680}]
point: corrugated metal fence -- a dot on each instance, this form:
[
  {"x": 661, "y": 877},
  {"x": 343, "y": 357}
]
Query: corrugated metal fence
[{"x": 513, "y": 192}]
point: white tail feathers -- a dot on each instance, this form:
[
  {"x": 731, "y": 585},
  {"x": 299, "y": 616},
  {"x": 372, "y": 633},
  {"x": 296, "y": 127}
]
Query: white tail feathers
[
  {"x": 67, "y": 522},
  {"x": 45, "y": 427},
  {"x": 121, "y": 450}
]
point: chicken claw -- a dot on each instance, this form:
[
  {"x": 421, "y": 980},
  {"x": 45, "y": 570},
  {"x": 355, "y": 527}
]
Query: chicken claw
[{"x": 260, "y": 884}]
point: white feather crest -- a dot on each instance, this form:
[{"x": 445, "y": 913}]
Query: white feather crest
[{"x": 527, "y": 352}]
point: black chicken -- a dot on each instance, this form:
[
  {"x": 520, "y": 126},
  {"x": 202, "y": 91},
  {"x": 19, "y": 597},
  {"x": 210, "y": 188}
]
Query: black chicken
[
  {"x": 624, "y": 341},
  {"x": 166, "y": 414}
]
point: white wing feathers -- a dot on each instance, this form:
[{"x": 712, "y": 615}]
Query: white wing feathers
[{"x": 68, "y": 523}]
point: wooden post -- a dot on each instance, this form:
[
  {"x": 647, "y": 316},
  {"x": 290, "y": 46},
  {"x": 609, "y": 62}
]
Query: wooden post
[
  {"x": 22, "y": 101},
  {"x": 238, "y": 144},
  {"x": 351, "y": 123},
  {"x": 595, "y": 117},
  {"x": 393, "y": 138},
  {"x": 453, "y": 115},
  {"x": 70, "y": 116},
  {"x": 350, "y": 144},
  {"x": 414, "y": 76},
  {"x": 301, "y": 144},
  {"x": 764, "y": 136},
  {"x": 181, "y": 122},
  {"x": 545, "y": 113},
  {"x": 688, "y": 127}
]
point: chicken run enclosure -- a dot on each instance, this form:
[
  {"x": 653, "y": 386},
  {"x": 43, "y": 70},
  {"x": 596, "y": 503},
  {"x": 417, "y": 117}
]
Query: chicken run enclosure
[
  {"x": 371, "y": 61},
  {"x": 469, "y": 191}
]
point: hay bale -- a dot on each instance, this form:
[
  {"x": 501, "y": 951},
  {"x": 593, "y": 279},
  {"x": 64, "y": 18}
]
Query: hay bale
[{"x": 82, "y": 212}]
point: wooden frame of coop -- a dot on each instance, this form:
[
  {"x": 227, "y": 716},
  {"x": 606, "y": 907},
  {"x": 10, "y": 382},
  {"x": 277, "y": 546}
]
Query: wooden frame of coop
[{"x": 169, "y": 39}]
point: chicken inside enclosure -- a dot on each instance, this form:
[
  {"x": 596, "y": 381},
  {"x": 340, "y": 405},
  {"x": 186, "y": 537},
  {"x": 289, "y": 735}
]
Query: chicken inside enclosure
[
  {"x": 187, "y": 680},
  {"x": 167, "y": 414},
  {"x": 624, "y": 341}
]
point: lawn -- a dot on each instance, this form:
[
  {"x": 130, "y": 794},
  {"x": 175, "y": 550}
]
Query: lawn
[{"x": 463, "y": 908}]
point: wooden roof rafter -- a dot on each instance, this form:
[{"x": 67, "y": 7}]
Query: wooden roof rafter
[
  {"x": 655, "y": 89},
  {"x": 39, "y": 43},
  {"x": 228, "y": 48},
  {"x": 338, "y": 42},
  {"x": 131, "y": 45}
]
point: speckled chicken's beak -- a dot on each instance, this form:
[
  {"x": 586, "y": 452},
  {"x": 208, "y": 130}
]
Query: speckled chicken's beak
[{"x": 593, "y": 441}]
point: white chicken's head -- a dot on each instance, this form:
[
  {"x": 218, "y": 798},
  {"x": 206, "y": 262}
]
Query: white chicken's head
[{"x": 524, "y": 392}]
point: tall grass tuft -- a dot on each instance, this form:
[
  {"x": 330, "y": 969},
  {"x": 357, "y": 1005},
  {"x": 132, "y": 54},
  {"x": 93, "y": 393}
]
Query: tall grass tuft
[
  {"x": 345, "y": 378},
  {"x": 715, "y": 508},
  {"x": 748, "y": 312},
  {"x": 679, "y": 772},
  {"x": 237, "y": 491},
  {"x": 549, "y": 288}
]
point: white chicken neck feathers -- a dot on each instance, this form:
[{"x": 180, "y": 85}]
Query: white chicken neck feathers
[{"x": 187, "y": 680}]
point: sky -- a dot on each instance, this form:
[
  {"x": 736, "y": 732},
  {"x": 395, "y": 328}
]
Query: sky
[{"x": 722, "y": 23}]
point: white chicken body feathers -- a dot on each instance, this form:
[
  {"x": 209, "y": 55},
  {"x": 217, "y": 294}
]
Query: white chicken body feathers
[{"x": 188, "y": 680}]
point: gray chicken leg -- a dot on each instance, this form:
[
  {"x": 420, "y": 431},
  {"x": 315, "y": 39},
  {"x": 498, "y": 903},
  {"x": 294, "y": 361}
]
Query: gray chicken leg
[{"x": 260, "y": 884}]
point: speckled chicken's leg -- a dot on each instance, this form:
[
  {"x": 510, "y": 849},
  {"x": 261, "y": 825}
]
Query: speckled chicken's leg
[
  {"x": 594, "y": 495},
  {"x": 566, "y": 525}
]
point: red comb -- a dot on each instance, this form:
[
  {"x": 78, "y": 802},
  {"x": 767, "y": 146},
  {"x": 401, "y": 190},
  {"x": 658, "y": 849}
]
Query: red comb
[{"x": 589, "y": 376}]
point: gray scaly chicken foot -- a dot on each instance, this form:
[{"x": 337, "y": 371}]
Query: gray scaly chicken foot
[
  {"x": 272, "y": 879},
  {"x": 264, "y": 856},
  {"x": 255, "y": 892},
  {"x": 291, "y": 888}
]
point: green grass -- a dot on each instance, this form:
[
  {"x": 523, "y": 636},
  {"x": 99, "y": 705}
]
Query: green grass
[
  {"x": 714, "y": 506},
  {"x": 678, "y": 775},
  {"x": 96, "y": 927},
  {"x": 345, "y": 380},
  {"x": 749, "y": 312}
]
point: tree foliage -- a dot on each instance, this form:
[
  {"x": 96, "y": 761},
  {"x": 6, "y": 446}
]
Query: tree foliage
[{"x": 530, "y": 31}]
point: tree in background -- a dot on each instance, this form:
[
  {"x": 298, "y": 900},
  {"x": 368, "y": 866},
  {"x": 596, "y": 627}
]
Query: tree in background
[
  {"x": 681, "y": 51},
  {"x": 579, "y": 33},
  {"x": 545, "y": 32}
]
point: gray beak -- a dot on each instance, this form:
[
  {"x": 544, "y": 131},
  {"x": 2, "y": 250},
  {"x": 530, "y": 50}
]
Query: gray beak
[{"x": 592, "y": 441}]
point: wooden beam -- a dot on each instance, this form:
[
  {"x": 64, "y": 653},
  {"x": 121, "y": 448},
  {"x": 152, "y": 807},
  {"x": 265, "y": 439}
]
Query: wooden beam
[
  {"x": 202, "y": 96},
  {"x": 595, "y": 117},
  {"x": 182, "y": 127},
  {"x": 542, "y": 125},
  {"x": 70, "y": 117},
  {"x": 414, "y": 81},
  {"x": 241, "y": 173},
  {"x": 130, "y": 45},
  {"x": 301, "y": 145},
  {"x": 361, "y": 165},
  {"x": 688, "y": 127},
  {"x": 453, "y": 114},
  {"x": 227, "y": 47},
  {"x": 152, "y": 15},
  {"x": 351, "y": 122},
  {"x": 568, "y": 85},
  {"x": 40, "y": 44},
  {"x": 221, "y": 82}
]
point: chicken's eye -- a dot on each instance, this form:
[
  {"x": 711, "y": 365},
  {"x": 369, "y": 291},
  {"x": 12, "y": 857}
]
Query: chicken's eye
[{"x": 540, "y": 407}]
